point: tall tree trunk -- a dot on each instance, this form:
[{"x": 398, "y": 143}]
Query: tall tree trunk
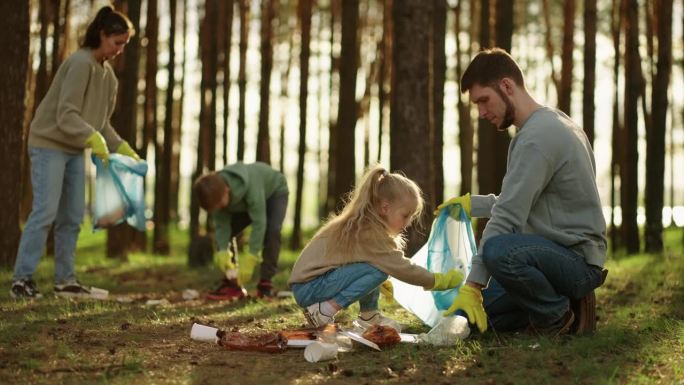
[
  {"x": 331, "y": 204},
  {"x": 565, "y": 90},
  {"x": 284, "y": 99},
  {"x": 207, "y": 35},
  {"x": 439, "y": 75},
  {"x": 57, "y": 38},
  {"x": 175, "y": 162},
  {"x": 227, "y": 49},
  {"x": 385, "y": 74},
  {"x": 465, "y": 125},
  {"x": 346, "y": 113},
  {"x": 629, "y": 167},
  {"x": 263, "y": 150},
  {"x": 242, "y": 77},
  {"x": 412, "y": 114},
  {"x": 150, "y": 107},
  {"x": 617, "y": 12},
  {"x": 122, "y": 238},
  {"x": 15, "y": 40},
  {"x": 212, "y": 85},
  {"x": 589, "y": 81},
  {"x": 550, "y": 51},
  {"x": 655, "y": 139},
  {"x": 304, "y": 11},
  {"x": 492, "y": 145},
  {"x": 41, "y": 86},
  {"x": 60, "y": 14},
  {"x": 42, "y": 79},
  {"x": 162, "y": 184}
]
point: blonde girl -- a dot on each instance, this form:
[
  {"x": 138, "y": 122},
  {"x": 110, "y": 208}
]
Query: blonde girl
[{"x": 356, "y": 251}]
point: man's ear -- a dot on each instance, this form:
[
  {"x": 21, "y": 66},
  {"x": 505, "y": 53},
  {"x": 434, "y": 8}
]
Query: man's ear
[{"x": 507, "y": 86}]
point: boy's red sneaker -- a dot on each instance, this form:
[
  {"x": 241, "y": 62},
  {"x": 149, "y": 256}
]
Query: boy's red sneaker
[
  {"x": 264, "y": 289},
  {"x": 228, "y": 290}
]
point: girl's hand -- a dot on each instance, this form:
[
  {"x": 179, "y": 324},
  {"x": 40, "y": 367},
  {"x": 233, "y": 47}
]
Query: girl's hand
[{"x": 448, "y": 280}]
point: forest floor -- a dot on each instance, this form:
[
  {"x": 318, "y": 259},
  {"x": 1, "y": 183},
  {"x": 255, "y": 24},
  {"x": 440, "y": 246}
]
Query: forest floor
[{"x": 640, "y": 337}]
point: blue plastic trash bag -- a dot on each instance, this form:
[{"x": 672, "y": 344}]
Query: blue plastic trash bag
[
  {"x": 451, "y": 246},
  {"x": 119, "y": 192}
]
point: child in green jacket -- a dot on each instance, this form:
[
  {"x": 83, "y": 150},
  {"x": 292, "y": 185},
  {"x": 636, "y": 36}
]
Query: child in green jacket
[{"x": 237, "y": 196}]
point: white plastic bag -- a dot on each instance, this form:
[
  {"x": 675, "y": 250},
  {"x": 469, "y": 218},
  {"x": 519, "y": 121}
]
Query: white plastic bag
[
  {"x": 447, "y": 331},
  {"x": 461, "y": 247},
  {"x": 119, "y": 192}
]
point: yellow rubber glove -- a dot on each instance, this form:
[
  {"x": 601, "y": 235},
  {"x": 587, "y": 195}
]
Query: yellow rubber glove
[
  {"x": 224, "y": 260},
  {"x": 470, "y": 300},
  {"x": 125, "y": 149},
  {"x": 387, "y": 291},
  {"x": 448, "y": 280},
  {"x": 463, "y": 200},
  {"x": 97, "y": 143},
  {"x": 246, "y": 264}
]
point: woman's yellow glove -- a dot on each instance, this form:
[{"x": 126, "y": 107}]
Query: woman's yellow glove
[
  {"x": 463, "y": 200},
  {"x": 125, "y": 149},
  {"x": 246, "y": 264},
  {"x": 99, "y": 146},
  {"x": 448, "y": 280},
  {"x": 387, "y": 291},
  {"x": 470, "y": 300}
]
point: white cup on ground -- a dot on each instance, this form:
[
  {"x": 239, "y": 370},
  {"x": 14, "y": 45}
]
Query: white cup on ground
[
  {"x": 203, "y": 333},
  {"x": 320, "y": 351}
]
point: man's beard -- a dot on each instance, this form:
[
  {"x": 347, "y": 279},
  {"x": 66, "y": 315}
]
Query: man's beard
[{"x": 509, "y": 114}]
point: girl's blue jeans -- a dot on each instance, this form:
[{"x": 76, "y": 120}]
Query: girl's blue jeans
[
  {"x": 533, "y": 280},
  {"x": 58, "y": 181},
  {"x": 345, "y": 284}
]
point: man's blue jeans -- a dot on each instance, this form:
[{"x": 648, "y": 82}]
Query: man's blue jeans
[
  {"x": 533, "y": 281},
  {"x": 58, "y": 181},
  {"x": 346, "y": 285}
]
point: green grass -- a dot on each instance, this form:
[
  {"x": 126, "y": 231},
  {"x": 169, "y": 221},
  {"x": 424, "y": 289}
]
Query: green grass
[{"x": 640, "y": 337}]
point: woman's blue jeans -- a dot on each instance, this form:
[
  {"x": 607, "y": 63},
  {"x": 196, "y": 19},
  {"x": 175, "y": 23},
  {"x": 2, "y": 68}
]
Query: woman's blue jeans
[
  {"x": 58, "y": 181},
  {"x": 346, "y": 285},
  {"x": 533, "y": 280}
]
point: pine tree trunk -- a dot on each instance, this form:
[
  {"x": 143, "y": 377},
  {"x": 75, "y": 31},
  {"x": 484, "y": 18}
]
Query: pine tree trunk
[
  {"x": 565, "y": 90},
  {"x": 15, "y": 40},
  {"x": 226, "y": 47},
  {"x": 411, "y": 119},
  {"x": 589, "y": 82},
  {"x": 205, "y": 38},
  {"x": 616, "y": 154},
  {"x": 385, "y": 75},
  {"x": 151, "y": 64},
  {"x": 263, "y": 150},
  {"x": 492, "y": 145},
  {"x": 285, "y": 81},
  {"x": 178, "y": 129},
  {"x": 331, "y": 204},
  {"x": 242, "y": 77},
  {"x": 346, "y": 116},
  {"x": 465, "y": 125},
  {"x": 122, "y": 238},
  {"x": 629, "y": 166},
  {"x": 304, "y": 11},
  {"x": 162, "y": 194},
  {"x": 439, "y": 76},
  {"x": 655, "y": 145}
]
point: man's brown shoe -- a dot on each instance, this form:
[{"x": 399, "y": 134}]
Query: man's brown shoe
[
  {"x": 585, "y": 314},
  {"x": 561, "y": 327},
  {"x": 585, "y": 311}
]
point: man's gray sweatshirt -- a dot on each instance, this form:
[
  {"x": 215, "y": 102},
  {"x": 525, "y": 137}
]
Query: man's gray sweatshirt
[{"x": 549, "y": 190}]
